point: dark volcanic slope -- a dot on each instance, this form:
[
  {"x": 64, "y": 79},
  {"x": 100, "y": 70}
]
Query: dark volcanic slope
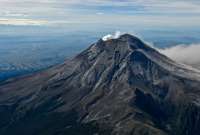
[{"x": 119, "y": 87}]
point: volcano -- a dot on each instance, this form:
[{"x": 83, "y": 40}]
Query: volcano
[{"x": 119, "y": 86}]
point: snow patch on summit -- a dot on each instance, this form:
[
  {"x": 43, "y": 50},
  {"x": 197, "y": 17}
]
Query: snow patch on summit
[{"x": 116, "y": 35}]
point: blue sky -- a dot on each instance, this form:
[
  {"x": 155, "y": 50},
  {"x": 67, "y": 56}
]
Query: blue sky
[{"x": 172, "y": 13}]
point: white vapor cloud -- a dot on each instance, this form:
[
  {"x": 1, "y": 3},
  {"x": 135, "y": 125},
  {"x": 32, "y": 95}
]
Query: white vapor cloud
[
  {"x": 13, "y": 14},
  {"x": 116, "y": 35},
  {"x": 187, "y": 54}
]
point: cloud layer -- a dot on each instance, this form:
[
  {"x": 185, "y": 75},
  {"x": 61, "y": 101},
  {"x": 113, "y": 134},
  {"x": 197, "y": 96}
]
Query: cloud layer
[
  {"x": 147, "y": 12},
  {"x": 22, "y": 22},
  {"x": 188, "y": 54}
]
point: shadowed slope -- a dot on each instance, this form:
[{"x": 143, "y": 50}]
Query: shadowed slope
[{"x": 120, "y": 86}]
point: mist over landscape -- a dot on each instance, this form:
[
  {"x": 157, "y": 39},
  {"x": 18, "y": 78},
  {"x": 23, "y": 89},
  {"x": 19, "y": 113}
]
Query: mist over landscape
[{"x": 24, "y": 49}]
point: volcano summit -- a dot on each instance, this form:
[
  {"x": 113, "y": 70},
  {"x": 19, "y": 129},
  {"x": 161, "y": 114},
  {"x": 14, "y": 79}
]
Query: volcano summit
[{"x": 119, "y": 86}]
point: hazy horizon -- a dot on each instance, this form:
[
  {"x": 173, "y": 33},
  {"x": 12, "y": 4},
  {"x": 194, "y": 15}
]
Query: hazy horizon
[{"x": 37, "y": 34}]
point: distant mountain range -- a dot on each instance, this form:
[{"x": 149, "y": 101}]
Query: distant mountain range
[{"x": 115, "y": 87}]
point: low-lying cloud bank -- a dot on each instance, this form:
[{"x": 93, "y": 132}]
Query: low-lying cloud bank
[
  {"x": 188, "y": 54},
  {"x": 21, "y": 22}
]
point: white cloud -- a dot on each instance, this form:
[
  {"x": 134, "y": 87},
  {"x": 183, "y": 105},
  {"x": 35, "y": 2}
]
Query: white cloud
[
  {"x": 159, "y": 6},
  {"x": 187, "y": 54},
  {"x": 99, "y": 13},
  {"x": 13, "y": 14},
  {"x": 109, "y": 36},
  {"x": 8, "y": 21},
  {"x": 151, "y": 12}
]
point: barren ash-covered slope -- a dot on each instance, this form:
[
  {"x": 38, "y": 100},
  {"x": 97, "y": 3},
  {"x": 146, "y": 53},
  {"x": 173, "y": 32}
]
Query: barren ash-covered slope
[{"x": 115, "y": 87}]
